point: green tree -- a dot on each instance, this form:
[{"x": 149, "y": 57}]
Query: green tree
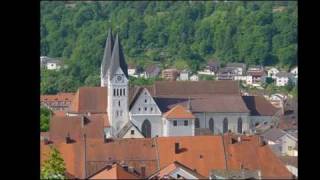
[
  {"x": 45, "y": 115},
  {"x": 54, "y": 166}
]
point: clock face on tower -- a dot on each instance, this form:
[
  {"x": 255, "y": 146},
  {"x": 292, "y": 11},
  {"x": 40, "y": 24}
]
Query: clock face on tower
[{"x": 119, "y": 78}]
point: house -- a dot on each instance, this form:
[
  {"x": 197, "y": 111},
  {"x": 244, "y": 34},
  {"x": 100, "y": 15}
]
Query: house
[
  {"x": 57, "y": 102},
  {"x": 184, "y": 75},
  {"x": 255, "y": 76},
  {"x": 179, "y": 157},
  {"x": 170, "y": 74},
  {"x": 213, "y": 66},
  {"x": 176, "y": 170},
  {"x": 50, "y": 63},
  {"x": 281, "y": 142},
  {"x": 278, "y": 101},
  {"x": 227, "y": 73},
  {"x": 152, "y": 71},
  {"x": 194, "y": 77},
  {"x": 294, "y": 71},
  {"x": 283, "y": 78},
  {"x": 240, "y": 68},
  {"x": 132, "y": 70},
  {"x": 272, "y": 72}
]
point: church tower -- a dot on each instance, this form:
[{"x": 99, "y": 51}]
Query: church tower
[
  {"x": 106, "y": 60},
  {"x": 117, "y": 83}
]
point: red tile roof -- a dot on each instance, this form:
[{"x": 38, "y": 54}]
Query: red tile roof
[
  {"x": 259, "y": 106},
  {"x": 179, "y": 112},
  {"x": 57, "y": 97},
  {"x": 90, "y": 99},
  {"x": 116, "y": 172}
]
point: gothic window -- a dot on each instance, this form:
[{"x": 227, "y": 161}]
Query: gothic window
[
  {"x": 145, "y": 108},
  {"x": 197, "y": 123},
  {"x": 119, "y": 103},
  {"x": 211, "y": 125},
  {"x": 225, "y": 125},
  {"x": 120, "y": 92},
  {"x": 239, "y": 125},
  {"x": 117, "y": 92},
  {"x": 146, "y": 128},
  {"x": 114, "y": 92},
  {"x": 124, "y": 92}
]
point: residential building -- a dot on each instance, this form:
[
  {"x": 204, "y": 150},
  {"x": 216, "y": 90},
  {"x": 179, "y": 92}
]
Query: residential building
[
  {"x": 152, "y": 71},
  {"x": 240, "y": 68},
  {"x": 57, "y": 102},
  {"x": 294, "y": 71},
  {"x": 213, "y": 66},
  {"x": 170, "y": 74},
  {"x": 132, "y": 70},
  {"x": 272, "y": 72},
  {"x": 255, "y": 76},
  {"x": 194, "y": 77},
  {"x": 283, "y": 78},
  {"x": 227, "y": 73},
  {"x": 50, "y": 63},
  {"x": 184, "y": 75}
]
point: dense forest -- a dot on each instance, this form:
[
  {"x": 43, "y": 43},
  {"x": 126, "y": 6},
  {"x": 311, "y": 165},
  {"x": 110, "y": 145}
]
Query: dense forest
[{"x": 181, "y": 34}]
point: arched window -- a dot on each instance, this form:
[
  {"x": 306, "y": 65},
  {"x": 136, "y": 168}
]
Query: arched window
[
  {"x": 119, "y": 103},
  {"x": 120, "y": 92},
  {"x": 124, "y": 92},
  {"x": 197, "y": 123},
  {"x": 146, "y": 128},
  {"x": 114, "y": 92},
  {"x": 211, "y": 125},
  {"x": 117, "y": 92},
  {"x": 239, "y": 125},
  {"x": 225, "y": 125}
]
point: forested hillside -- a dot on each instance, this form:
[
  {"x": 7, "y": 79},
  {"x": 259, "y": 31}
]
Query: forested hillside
[{"x": 180, "y": 34}]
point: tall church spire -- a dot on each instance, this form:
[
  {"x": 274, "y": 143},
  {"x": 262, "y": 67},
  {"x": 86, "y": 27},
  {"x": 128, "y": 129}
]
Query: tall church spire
[
  {"x": 117, "y": 60},
  {"x": 107, "y": 54}
]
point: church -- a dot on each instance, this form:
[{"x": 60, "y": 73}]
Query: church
[{"x": 166, "y": 108}]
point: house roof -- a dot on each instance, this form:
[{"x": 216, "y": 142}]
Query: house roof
[
  {"x": 113, "y": 172},
  {"x": 205, "y": 103},
  {"x": 250, "y": 155},
  {"x": 259, "y": 106},
  {"x": 273, "y": 134},
  {"x": 152, "y": 69},
  {"x": 255, "y": 73},
  {"x": 62, "y": 126},
  {"x": 62, "y": 96},
  {"x": 190, "y": 88},
  {"x": 199, "y": 153},
  {"x": 242, "y": 65},
  {"x": 284, "y": 74},
  {"x": 171, "y": 168},
  {"x": 90, "y": 99},
  {"x": 179, "y": 112}
]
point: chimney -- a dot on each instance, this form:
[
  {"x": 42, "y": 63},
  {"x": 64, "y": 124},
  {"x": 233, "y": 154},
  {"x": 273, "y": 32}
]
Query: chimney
[
  {"x": 143, "y": 172},
  {"x": 176, "y": 147}
]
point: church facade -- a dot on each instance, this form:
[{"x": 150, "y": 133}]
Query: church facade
[{"x": 167, "y": 108}]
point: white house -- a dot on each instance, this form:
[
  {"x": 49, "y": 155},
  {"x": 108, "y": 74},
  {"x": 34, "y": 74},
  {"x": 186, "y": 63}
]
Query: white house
[
  {"x": 240, "y": 68},
  {"x": 50, "y": 63},
  {"x": 294, "y": 71},
  {"x": 194, "y": 77},
  {"x": 184, "y": 75},
  {"x": 283, "y": 78},
  {"x": 272, "y": 72}
]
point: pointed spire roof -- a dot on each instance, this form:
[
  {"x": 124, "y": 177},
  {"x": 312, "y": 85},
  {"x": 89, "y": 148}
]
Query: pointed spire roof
[
  {"x": 117, "y": 59},
  {"x": 107, "y": 54}
]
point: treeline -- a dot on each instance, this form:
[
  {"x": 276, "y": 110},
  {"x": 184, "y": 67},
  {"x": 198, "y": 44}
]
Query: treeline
[{"x": 183, "y": 34}]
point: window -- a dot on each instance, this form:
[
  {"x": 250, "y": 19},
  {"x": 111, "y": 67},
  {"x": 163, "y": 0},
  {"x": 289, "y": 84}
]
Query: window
[
  {"x": 178, "y": 176},
  {"x": 146, "y": 128},
  {"x": 174, "y": 123},
  {"x": 145, "y": 108},
  {"x": 151, "y": 109},
  {"x": 117, "y": 92},
  {"x": 145, "y": 100},
  {"x": 225, "y": 125},
  {"x": 124, "y": 92},
  {"x": 185, "y": 122},
  {"x": 239, "y": 125},
  {"x": 120, "y": 92},
  {"x": 197, "y": 123},
  {"x": 265, "y": 123},
  {"x": 139, "y": 109},
  {"x": 114, "y": 92},
  {"x": 211, "y": 125},
  {"x": 132, "y": 132},
  {"x": 119, "y": 103}
]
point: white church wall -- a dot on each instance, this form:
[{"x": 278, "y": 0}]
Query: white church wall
[
  {"x": 133, "y": 133},
  {"x": 218, "y": 121},
  {"x": 155, "y": 120}
]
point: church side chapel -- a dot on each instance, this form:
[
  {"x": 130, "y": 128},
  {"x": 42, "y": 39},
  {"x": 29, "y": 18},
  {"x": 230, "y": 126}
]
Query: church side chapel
[{"x": 166, "y": 108}]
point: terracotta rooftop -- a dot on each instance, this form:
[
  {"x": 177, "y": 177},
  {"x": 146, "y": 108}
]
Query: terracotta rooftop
[
  {"x": 259, "y": 106},
  {"x": 57, "y": 97},
  {"x": 115, "y": 172},
  {"x": 179, "y": 112},
  {"x": 90, "y": 99},
  {"x": 62, "y": 126}
]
